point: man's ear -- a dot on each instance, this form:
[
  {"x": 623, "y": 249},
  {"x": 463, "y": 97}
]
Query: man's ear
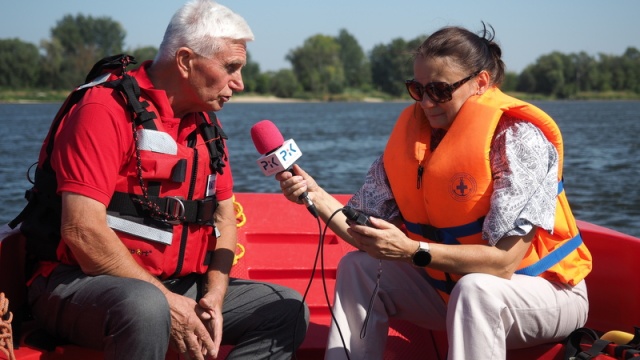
[{"x": 184, "y": 61}]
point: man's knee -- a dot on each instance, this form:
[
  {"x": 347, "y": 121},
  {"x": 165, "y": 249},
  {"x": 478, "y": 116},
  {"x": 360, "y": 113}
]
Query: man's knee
[
  {"x": 140, "y": 305},
  {"x": 290, "y": 305}
]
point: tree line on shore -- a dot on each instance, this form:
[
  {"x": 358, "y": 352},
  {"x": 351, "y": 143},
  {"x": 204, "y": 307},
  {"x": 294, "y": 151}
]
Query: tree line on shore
[{"x": 323, "y": 67}]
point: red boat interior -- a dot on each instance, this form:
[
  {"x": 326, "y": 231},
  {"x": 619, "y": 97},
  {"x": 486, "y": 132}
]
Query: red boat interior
[{"x": 278, "y": 242}]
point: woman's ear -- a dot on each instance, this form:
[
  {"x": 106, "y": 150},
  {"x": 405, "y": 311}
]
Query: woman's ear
[{"x": 483, "y": 80}]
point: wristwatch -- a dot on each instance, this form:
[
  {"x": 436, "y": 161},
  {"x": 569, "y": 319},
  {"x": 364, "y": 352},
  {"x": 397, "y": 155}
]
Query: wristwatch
[{"x": 422, "y": 256}]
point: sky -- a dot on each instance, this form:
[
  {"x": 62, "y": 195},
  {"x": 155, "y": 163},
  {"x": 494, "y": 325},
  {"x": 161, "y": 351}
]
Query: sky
[{"x": 525, "y": 30}]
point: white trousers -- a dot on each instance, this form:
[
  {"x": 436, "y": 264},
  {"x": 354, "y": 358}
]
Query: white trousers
[{"x": 485, "y": 315}]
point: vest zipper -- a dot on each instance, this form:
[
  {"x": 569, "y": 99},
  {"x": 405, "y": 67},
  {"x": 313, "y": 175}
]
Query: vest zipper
[{"x": 420, "y": 171}]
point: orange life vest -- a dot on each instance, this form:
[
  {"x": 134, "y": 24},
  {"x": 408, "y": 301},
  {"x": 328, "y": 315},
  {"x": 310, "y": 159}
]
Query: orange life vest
[{"x": 456, "y": 186}]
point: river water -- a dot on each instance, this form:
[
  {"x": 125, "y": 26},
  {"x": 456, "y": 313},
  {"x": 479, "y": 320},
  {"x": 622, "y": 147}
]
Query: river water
[{"x": 340, "y": 140}]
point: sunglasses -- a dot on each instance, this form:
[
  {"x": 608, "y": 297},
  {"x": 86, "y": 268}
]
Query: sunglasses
[{"x": 439, "y": 92}]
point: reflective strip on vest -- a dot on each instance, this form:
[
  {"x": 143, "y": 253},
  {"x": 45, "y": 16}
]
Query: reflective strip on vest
[
  {"x": 143, "y": 231},
  {"x": 157, "y": 141},
  {"x": 551, "y": 258},
  {"x": 97, "y": 81}
]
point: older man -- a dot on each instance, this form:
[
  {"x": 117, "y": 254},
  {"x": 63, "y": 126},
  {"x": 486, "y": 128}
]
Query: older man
[{"x": 143, "y": 203}]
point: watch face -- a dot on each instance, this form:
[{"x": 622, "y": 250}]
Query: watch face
[{"x": 422, "y": 258}]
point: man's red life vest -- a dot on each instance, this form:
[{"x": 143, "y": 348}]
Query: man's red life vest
[
  {"x": 168, "y": 227},
  {"x": 457, "y": 184},
  {"x": 181, "y": 172}
]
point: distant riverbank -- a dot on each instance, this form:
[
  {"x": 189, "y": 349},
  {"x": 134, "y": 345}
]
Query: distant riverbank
[{"x": 52, "y": 96}]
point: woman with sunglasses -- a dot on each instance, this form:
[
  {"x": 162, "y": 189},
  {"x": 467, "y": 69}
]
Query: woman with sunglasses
[{"x": 471, "y": 231}]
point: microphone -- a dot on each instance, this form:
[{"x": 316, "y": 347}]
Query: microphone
[{"x": 278, "y": 155}]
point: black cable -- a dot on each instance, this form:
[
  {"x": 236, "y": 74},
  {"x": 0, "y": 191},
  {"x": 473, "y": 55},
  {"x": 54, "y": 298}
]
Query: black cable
[
  {"x": 324, "y": 285},
  {"x": 319, "y": 253},
  {"x": 435, "y": 345},
  {"x": 374, "y": 294},
  {"x": 306, "y": 291}
]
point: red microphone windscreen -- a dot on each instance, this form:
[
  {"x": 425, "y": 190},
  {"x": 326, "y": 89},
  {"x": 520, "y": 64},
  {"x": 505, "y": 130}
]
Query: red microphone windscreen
[{"x": 266, "y": 136}]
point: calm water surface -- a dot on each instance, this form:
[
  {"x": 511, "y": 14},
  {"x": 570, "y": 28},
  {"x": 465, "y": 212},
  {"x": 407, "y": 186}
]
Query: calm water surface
[{"x": 340, "y": 140}]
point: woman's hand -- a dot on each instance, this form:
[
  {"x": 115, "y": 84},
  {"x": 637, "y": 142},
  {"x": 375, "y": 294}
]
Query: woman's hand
[
  {"x": 383, "y": 241},
  {"x": 295, "y": 185},
  {"x": 388, "y": 242}
]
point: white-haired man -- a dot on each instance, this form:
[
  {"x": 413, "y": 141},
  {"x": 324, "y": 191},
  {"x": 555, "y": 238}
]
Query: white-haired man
[{"x": 147, "y": 228}]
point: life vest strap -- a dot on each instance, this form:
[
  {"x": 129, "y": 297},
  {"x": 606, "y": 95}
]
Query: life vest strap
[
  {"x": 213, "y": 136},
  {"x": 193, "y": 211},
  {"x": 535, "y": 269},
  {"x": 129, "y": 87},
  {"x": 552, "y": 258},
  {"x": 560, "y": 186},
  {"x": 448, "y": 235},
  {"x": 445, "y": 286}
]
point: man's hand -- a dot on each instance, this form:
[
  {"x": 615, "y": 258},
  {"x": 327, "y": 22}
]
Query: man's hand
[
  {"x": 189, "y": 335},
  {"x": 210, "y": 313}
]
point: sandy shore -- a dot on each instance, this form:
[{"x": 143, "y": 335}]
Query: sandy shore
[
  {"x": 234, "y": 99},
  {"x": 262, "y": 99},
  {"x": 273, "y": 99}
]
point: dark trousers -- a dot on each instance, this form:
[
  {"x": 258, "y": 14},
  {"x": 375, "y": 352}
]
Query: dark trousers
[{"x": 129, "y": 318}]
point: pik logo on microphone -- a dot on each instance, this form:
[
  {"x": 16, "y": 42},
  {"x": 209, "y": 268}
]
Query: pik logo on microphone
[{"x": 280, "y": 159}]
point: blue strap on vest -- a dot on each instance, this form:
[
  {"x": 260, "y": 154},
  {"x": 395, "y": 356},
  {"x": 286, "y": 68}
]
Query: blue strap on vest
[
  {"x": 447, "y": 235},
  {"x": 441, "y": 285},
  {"x": 536, "y": 269},
  {"x": 450, "y": 236},
  {"x": 560, "y": 186},
  {"x": 551, "y": 258}
]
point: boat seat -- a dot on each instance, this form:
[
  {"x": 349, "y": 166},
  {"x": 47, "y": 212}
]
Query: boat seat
[
  {"x": 295, "y": 240},
  {"x": 283, "y": 253},
  {"x": 29, "y": 341},
  {"x": 612, "y": 285}
]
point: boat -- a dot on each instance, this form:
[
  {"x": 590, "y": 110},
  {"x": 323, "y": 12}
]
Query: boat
[{"x": 278, "y": 242}]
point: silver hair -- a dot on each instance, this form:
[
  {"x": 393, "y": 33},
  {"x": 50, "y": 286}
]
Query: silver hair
[{"x": 202, "y": 26}]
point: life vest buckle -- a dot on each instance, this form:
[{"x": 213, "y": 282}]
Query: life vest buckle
[
  {"x": 174, "y": 207},
  {"x": 206, "y": 209}
]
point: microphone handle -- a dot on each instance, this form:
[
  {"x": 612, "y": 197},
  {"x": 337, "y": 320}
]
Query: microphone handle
[{"x": 305, "y": 199}]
